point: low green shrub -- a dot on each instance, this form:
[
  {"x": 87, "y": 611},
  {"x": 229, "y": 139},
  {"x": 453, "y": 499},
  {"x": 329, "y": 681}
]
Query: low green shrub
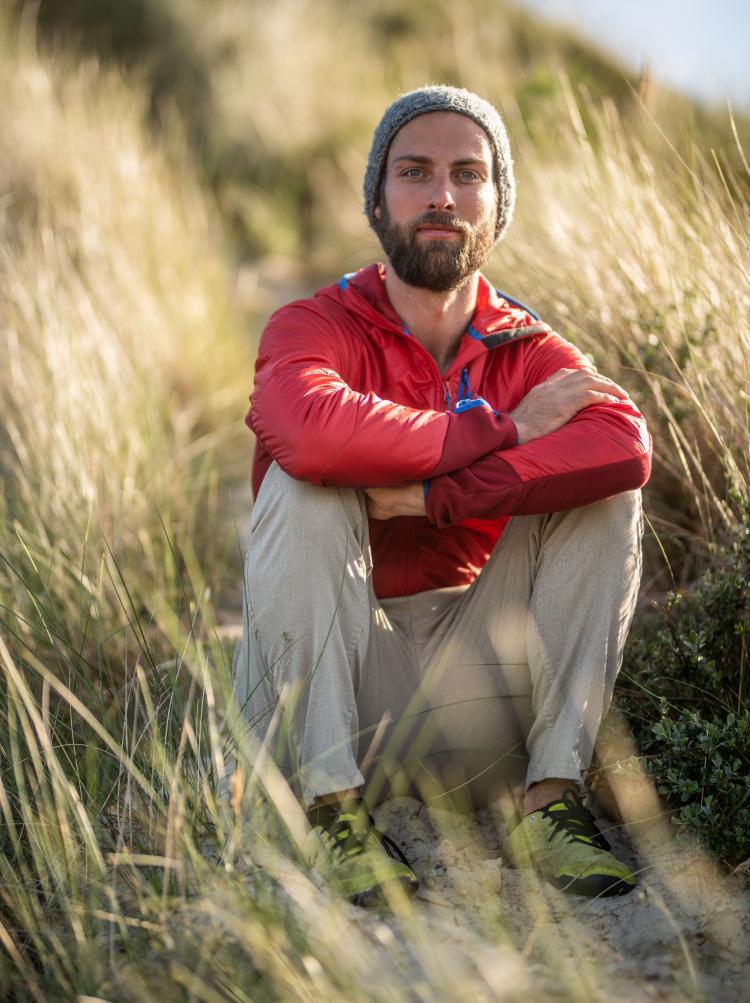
[
  {"x": 701, "y": 765},
  {"x": 685, "y": 690}
]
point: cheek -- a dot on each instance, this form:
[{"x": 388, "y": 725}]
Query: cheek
[
  {"x": 402, "y": 200},
  {"x": 484, "y": 201}
]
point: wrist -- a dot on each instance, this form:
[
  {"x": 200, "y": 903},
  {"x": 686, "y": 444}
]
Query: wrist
[{"x": 522, "y": 431}]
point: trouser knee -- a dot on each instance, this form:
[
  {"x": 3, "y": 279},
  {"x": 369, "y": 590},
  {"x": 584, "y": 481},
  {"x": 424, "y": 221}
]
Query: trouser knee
[
  {"x": 625, "y": 509},
  {"x": 299, "y": 505},
  {"x": 616, "y": 522},
  {"x": 623, "y": 520},
  {"x": 305, "y": 540}
]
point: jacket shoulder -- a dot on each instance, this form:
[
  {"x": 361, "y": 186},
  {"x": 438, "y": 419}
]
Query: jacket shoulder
[
  {"x": 319, "y": 311},
  {"x": 504, "y": 319}
]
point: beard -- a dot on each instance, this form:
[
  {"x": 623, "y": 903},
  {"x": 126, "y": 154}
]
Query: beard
[{"x": 438, "y": 265}]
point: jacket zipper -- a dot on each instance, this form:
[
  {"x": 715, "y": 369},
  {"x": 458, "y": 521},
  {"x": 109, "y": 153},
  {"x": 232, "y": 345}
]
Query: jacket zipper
[
  {"x": 464, "y": 385},
  {"x": 464, "y": 389},
  {"x": 447, "y": 401}
]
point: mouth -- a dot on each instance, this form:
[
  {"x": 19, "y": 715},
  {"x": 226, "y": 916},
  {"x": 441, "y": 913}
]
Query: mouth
[{"x": 434, "y": 232}]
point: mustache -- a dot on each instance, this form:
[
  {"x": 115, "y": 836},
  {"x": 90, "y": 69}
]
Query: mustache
[{"x": 440, "y": 219}]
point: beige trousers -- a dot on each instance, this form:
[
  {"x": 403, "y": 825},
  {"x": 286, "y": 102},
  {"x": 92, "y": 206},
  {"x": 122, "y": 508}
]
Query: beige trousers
[{"x": 472, "y": 688}]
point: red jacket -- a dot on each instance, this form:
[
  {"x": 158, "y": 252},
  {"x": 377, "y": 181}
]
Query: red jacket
[{"x": 344, "y": 395}]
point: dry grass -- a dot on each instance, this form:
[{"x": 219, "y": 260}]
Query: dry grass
[
  {"x": 123, "y": 366},
  {"x": 122, "y": 874},
  {"x": 644, "y": 261}
]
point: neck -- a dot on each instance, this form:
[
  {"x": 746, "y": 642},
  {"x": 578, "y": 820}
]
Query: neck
[{"x": 436, "y": 320}]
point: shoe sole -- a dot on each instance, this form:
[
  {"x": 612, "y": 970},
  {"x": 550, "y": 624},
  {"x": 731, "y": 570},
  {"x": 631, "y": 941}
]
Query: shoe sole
[{"x": 595, "y": 886}]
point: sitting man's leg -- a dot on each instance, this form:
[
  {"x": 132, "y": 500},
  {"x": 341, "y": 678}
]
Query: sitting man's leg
[
  {"x": 532, "y": 649},
  {"x": 583, "y": 600},
  {"x": 309, "y": 613}
]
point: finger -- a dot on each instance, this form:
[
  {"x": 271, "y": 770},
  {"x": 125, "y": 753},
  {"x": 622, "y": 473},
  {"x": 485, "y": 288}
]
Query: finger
[
  {"x": 598, "y": 397},
  {"x": 605, "y": 385},
  {"x": 612, "y": 387},
  {"x": 617, "y": 391}
]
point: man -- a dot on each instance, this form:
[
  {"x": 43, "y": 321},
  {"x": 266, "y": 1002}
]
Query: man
[{"x": 444, "y": 553}]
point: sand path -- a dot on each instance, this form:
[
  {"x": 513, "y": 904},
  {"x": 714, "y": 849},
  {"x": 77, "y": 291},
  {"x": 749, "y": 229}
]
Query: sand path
[{"x": 684, "y": 934}]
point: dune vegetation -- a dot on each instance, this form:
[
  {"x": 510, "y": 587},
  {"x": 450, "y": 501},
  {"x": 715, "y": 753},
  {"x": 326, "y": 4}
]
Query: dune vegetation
[{"x": 166, "y": 177}]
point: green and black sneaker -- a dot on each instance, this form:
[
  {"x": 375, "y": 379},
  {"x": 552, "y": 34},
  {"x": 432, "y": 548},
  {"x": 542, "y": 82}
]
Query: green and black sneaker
[
  {"x": 360, "y": 861},
  {"x": 562, "y": 842}
]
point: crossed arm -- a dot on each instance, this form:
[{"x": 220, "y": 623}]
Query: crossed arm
[
  {"x": 547, "y": 407},
  {"x": 574, "y": 438}
]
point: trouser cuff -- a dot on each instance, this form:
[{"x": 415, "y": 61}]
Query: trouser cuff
[
  {"x": 560, "y": 769},
  {"x": 318, "y": 781}
]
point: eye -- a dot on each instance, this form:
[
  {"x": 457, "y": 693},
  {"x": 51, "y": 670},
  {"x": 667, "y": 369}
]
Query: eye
[
  {"x": 466, "y": 174},
  {"x": 412, "y": 172}
]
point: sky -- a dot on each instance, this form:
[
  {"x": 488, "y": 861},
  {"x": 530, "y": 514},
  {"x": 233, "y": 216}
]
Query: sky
[{"x": 701, "y": 47}]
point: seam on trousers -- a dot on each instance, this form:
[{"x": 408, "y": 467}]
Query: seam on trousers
[
  {"x": 546, "y": 716},
  {"x": 267, "y": 680},
  {"x": 411, "y": 639},
  {"x": 366, "y": 624},
  {"x": 268, "y": 677}
]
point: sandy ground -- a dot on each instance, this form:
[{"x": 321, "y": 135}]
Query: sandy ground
[{"x": 684, "y": 934}]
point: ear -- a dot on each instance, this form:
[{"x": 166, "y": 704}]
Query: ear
[{"x": 376, "y": 212}]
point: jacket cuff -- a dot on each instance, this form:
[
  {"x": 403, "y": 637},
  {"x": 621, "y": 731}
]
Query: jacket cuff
[
  {"x": 473, "y": 433},
  {"x": 465, "y": 494},
  {"x": 491, "y": 488}
]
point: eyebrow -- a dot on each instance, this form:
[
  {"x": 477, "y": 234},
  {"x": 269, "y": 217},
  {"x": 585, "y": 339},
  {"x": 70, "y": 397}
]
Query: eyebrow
[{"x": 419, "y": 158}]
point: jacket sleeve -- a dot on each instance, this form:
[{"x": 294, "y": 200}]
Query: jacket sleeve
[
  {"x": 601, "y": 451},
  {"x": 319, "y": 429}
]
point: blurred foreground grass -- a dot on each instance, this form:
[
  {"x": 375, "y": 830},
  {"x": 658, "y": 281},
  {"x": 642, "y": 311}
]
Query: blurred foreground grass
[{"x": 125, "y": 372}]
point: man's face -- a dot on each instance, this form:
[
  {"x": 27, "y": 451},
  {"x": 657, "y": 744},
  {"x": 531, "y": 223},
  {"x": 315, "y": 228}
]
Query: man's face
[{"x": 438, "y": 207}]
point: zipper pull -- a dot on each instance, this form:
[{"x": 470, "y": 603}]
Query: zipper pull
[
  {"x": 464, "y": 386},
  {"x": 446, "y": 388}
]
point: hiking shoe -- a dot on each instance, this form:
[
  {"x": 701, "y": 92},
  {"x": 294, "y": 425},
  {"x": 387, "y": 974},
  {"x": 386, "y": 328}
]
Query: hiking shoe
[
  {"x": 360, "y": 861},
  {"x": 562, "y": 842}
]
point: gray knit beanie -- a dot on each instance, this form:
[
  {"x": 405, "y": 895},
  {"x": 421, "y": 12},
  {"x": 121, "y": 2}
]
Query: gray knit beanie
[{"x": 443, "y": 98}]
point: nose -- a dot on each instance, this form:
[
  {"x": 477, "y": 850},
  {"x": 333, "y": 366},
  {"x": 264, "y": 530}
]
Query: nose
[
  {"x": 441, "y": 202},
  {"x": 440, "y": 197}
]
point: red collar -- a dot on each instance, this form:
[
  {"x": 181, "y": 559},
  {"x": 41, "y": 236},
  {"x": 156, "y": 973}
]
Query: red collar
[{"x": 488, "y": 311}]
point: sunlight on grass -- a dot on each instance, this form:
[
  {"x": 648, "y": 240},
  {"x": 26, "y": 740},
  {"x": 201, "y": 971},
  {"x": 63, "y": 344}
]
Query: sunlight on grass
[
  {"x": 121, "y": 384},
  {"x": 148, "y": 844},
  {"x": 644, "y": 261}
]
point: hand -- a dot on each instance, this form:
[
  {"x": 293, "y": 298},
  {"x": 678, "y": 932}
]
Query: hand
[
  {"x": 551, "y": 404},
  {"x": 405, "y": 499}
]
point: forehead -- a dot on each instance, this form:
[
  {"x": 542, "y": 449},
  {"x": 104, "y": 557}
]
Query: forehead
[{"x": 441, "y": 135}]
